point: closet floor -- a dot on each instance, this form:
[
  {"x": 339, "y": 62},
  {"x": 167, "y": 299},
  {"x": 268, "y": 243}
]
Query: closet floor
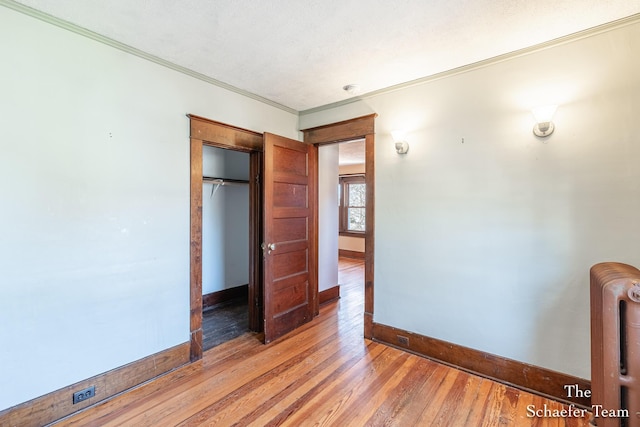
[{"x": 225, "y": 321}]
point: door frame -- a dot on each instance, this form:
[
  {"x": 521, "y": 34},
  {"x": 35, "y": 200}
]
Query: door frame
[
  {"x": 216, "y": 134},
  {"x": 208, "y": 132},
  {"x": 347, "y": 130}
]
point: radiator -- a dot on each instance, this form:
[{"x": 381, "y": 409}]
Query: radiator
[{"x": 615, "y": 345}]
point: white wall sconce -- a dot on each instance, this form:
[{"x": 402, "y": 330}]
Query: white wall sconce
[
  {"x": 543, "y": 116},
  {"x": 402, "y": 146}
]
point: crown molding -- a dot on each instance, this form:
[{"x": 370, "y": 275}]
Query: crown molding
[
  {"x": 18, "y": 7},
  {"x": 590, "y": 32}
]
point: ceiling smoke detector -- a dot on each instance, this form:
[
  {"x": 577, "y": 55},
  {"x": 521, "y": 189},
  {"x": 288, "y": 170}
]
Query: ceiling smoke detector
[{"x": 352, "y": 89}]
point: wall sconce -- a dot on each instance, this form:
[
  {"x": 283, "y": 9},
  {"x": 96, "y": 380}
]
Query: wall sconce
[
  {"x": 402, "y": 146},
  {"x": 543, "y": 115}
]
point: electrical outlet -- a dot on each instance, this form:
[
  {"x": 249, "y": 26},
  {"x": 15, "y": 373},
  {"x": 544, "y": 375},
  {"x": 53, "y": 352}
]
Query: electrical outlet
[
  {"x": 403, "y": 340},
  {"x": 82, "y": 395}
]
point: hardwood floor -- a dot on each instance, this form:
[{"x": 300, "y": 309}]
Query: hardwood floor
[
  {"x": 324, "y": 373},
  {"x": 224, "y": 321}
]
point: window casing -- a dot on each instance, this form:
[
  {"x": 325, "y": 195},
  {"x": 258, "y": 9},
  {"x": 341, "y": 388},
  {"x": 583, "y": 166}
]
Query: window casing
[{"x": 352, "y": 200}]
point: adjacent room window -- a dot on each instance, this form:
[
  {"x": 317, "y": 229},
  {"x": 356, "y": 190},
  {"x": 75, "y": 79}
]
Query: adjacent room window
[{"x": 352, "y": 195}]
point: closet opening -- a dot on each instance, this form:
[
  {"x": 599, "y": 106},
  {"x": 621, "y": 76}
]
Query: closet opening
[{"x": 226, "y": 244}]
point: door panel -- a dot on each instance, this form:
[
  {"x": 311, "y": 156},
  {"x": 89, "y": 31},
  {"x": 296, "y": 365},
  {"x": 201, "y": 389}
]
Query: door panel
[
  {"x": 290, "y": 291},
  {"x": 289, "y": 195},
  {"x": 289, "y": 270},
  {"x": 291, "y": 161},
  {"x": 290, "y": 229},
  {"x": 289, "y": 263}
]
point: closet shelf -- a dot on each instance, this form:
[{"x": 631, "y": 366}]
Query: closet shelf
[{"x": 220, "y": 182}]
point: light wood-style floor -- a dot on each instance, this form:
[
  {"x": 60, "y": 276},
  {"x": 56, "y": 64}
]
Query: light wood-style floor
[{"x": 323, "y": 374}]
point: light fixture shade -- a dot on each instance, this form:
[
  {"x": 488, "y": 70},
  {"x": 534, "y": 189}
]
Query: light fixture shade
[
  {"x": 398, "y": 135},
  {"x": 545, "y": 113},
  {"x": 402, "y": 146},
  {"x": 543, "y": 116}
]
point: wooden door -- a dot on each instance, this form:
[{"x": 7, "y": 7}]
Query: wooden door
[{"x": 290, "y": 286}]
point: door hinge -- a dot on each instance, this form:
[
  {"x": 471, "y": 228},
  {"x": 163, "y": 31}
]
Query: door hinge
[{"x": 257, "y": 178}]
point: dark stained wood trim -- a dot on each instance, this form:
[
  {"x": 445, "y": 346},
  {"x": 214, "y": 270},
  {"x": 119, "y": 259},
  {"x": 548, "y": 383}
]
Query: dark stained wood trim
[
  {"x": 224, "y": 295},
  {"x": 359, "y": 127},
  {"x": 341, "y": 131},
  {"x": 369, "y": 243},
  {"x": 58, "y": 404},
  {"x": 368, "y": 325},
  {"x": 256, "y": 203},
  {"x": 223, "y": 135},
  {"x": 531, "y": 378},
  {"x": 195, "y": 287},
  {"x": 350, "y": 254},
  {"x": 313, "y": 238},
  {"x": 329, "y": 295}
]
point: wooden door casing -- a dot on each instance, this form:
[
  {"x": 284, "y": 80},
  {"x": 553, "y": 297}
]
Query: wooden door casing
[
  {"x": 216, "y": 134},
  {"x": 290, "y": 285},
  {"x": 359, "y": 127}
]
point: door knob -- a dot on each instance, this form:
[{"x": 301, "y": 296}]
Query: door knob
[{"x": 270, "y": 247}]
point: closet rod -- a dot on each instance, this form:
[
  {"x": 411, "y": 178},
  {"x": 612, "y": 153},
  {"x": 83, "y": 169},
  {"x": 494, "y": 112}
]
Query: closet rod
[
  {"x": 223, "y": 181},
  {"x": 220, "y": 182}
]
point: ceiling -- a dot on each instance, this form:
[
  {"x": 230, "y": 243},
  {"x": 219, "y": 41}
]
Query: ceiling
[
  {"x": 300, "y": 53},
  {"x": 351, "y": 153}
]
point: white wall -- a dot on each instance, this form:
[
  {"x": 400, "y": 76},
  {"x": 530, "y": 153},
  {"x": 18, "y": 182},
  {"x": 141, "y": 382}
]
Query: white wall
[
  {"x": 327, "y": 216},
  {"x": 236, "y": 231},
  {"x": 348, "y": 243},
  {"x": 225, "y": 221},
  {"x": 488, "y": 243},
  {"x": 94, "y": 177}
]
